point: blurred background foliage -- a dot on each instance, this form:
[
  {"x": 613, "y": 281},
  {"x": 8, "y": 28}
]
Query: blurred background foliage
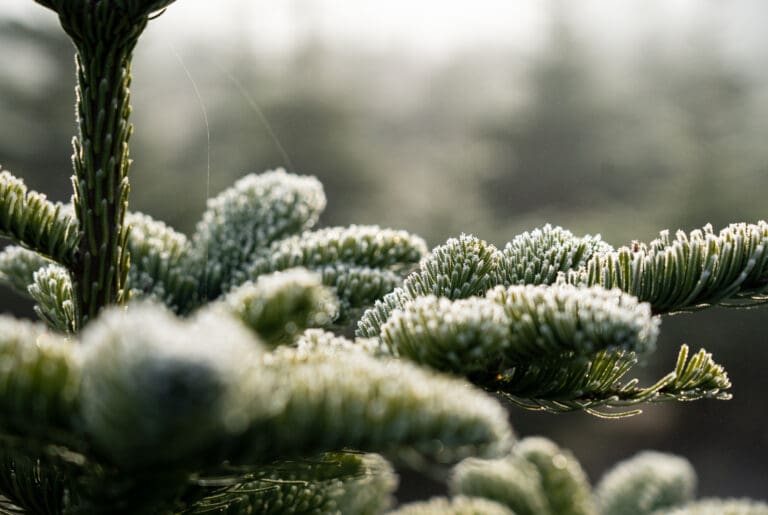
[{"x": 579, "y": 128}]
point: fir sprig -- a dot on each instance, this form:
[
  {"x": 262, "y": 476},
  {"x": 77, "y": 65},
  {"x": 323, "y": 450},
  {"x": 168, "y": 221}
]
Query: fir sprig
[
  {"x": 31, "y": 220},
  {"x": 690, "y": 271}
]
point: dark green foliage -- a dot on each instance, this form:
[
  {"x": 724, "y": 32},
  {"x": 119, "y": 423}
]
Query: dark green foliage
[
  {"x": 460, "y": 505},
  {"x": 32, "y": 485},
  {"x": 587, "y": 384},
  {"x": 646, "y": 483},
  {"x": 330, "y": 484},
  {"x": 51, "y": 288},
  {"x": 39, "y": 378},
  {"x": 689, "y": 271},
  {"x": 282, "y": 305},
  {"x": 538, "y": 478},
  {"x": 719, "y": 507},
  {"x": 563, "y": 480},
  {"x": 459, "y": 269},
  {"x": 157, "y": 263},
  {"x": 29, "y": 219},
  {"x": 512, "y": 481},
  {"x": 555, "y": 347},
  {"x": 18, "y": 266},
  {"x": 168, "y": 394},
  {"x": 539, "y": 256},
  {"x": 394, "y": 404},
  {"x": 246, "y": 218},
  {"x": 361, "y": 262}
]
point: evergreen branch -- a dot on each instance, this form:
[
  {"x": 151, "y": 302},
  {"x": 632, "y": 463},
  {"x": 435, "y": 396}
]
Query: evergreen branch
[
  {"x": 281, "y": 305},
  {"x": 589, "y": 384},
  {"x": 719, "y": 507},
  {"x": 547, "y": 320},
  {"x": 374, "y": 405},
  {"x": 34, "y": 486},
  {"x": 460, "y": 505},
  {"x": 467, "y": 336},
  {"x": 32, "y": 221},
  {"x": 564, "y": 482},
  {"x": 358, "y": 287},
  {"x": 556, "y": 348},
  {"x": 359, "y": 245},
  {"x": 516, "y": 325},
  {"x": 688, "y": 272},
  {"x": 645, "y": 483},
  {"x": 458, "y": 269},
  {"x": 158, "y": 258},
  {"x": 539, "y": 256},
  {"x": 158, "y": 392},
  {"x": 51, "y": 288},
  {"x": 157, "y": 255},
  {"x": 333, "y": 484},
  {"x": 166, "y": 396},
  {"x": 246, "y": 218},
  {"x": 512, "y": 481},
  {"x": 363, "y": 263},
  {"x": 39, "y": 377},
  {"x": 319, "y": 341},
  {"x": 18, "y": 266}
]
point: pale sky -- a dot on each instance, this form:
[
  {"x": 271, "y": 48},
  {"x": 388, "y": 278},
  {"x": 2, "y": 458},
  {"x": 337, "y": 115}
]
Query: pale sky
[
  {"x": 435, "y": 30},
  {"x": 430, "y": 28}
]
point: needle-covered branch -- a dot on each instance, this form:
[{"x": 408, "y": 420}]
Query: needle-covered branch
[
  {"x": 30, "y": 220},
  {"x": 331, "y": 483},
  {"x": 248, "y": 217},
  {"x": 690, "y": 271}
]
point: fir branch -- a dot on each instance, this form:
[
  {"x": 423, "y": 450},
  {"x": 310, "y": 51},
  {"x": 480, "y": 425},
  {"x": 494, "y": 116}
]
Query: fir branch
[
  {"x": 246, "y": 219},
  {"x": 564, "y": 482},
  {"x": 51, "y": 288},
  {"x": 589, "y": 384},
  {"x": 32, "y": 221},
  {"x": 363, "y": 263},
  {"x": 160, "y": 392},
  {"x": 512, "y": 481},
  {"x": 281, "y": 305},
  {"x": 368, "y": 246},
  {"x": 539, "y": 256},
  {"x": 18, "y": 266},
  {"x": 458, "y": 269},
  {"x": 467, "y": 336},
  {"x": 645, "y": 483},
  {"x": 689, "y": 271},
  {"x": 159, "y": 255},
  {"x": 39, "y": 378},
  {"x": 332, "y": 484},
  {"x": 358, "y": 287},
  {"x": 510, "y": 327},
  {"x": 460, "y": 505},
  {"x": 719, "y": 507},
  {"x": 375, "y": 405},
  {"x": 166, "y": 395},
  {"x": 546, "y": 321},
  {"x": 34, "y": 486}
]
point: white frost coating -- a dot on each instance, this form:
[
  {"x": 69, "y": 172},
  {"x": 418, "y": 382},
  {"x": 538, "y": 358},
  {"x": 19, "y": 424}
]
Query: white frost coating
[
  {"x": 646, "y": 482},
  {"x": 156, "y": 389},
  {"x": 248, "y": 217}
]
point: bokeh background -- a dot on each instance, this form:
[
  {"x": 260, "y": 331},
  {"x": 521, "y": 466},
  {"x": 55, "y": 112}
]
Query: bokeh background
[{"x": 618, "y": 117}]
